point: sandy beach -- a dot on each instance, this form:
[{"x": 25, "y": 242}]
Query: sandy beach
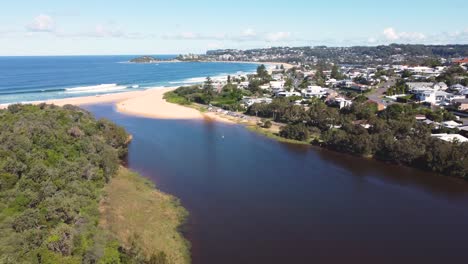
[{"x": 148, "y": 103}]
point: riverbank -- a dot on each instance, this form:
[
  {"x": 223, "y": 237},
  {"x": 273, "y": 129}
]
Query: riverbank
[{"x": 143, "y": 218}]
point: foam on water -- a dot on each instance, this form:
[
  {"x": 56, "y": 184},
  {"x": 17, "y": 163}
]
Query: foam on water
[{"x": 101, "y": 88}]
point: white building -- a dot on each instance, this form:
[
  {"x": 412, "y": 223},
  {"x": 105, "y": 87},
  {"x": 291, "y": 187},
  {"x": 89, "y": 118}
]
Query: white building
[
  {"x": 243, "y": 85},
  {"x": 340, "y": 102},
  {"x": 416, "y": 87},
  {"x": 288, "y": 94},
  {"x": 248, "y": 101},
  {"x": 450, "y": 124},
  {"x": 314, "y": 91},
  {"x": 277, "y": 84},
  {"x": 434, "y": 97},
  {"x": 451, "y": 137}
]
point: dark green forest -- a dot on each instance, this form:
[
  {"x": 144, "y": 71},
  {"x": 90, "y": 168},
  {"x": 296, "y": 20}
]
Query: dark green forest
[{"x": 54, "y": 163}]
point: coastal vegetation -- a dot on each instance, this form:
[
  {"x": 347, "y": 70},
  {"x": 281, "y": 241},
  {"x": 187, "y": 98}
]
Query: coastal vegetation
[
  {"x": 228, "y": 98},
  {"x": 149, "y": 59},
  {"x": 58, "y": 167}
]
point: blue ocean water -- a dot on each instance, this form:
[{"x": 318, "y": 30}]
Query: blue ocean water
[{"x": 24, "y": 79}]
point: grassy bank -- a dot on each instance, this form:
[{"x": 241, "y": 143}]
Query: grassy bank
[
  {"x": 143, "y": 219},
  {"x": 275, "y": 136}
]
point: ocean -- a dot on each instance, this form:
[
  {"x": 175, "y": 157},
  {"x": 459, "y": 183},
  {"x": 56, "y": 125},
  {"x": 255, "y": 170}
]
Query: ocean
[{"x": 25, "y": 79}]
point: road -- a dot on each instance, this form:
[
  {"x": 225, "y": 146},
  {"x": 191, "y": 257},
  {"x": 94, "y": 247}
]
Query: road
[{"x": 377, "y": 94}]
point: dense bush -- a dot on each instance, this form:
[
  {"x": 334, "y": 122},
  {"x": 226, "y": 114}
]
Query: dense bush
[
  {"x": 296, "y": 131},
  {"x": 392, "y": 135},
  {"x": 54, "y": 162}
]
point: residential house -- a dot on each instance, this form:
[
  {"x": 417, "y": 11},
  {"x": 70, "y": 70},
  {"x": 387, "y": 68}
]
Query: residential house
[
  {"x": 314, "y": 91},
  {"x": 451, "y": 137},
  {"x": 340, "y": 102},
  {"x": 249, "y": 101},
  {"x": 288, "y": 94},
  {"x": 450, "y": 124},
  {"x": 275, "y": 85}
]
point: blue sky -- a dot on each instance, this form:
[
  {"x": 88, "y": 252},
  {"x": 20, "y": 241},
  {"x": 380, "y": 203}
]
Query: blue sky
[{"x": 58, "y": 27}]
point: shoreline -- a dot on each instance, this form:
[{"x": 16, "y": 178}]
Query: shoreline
[
  {"x": 147, "y": 103},
  {"x": 150, "y": 103}
]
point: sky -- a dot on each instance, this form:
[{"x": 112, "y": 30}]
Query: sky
[{"x": 108, "y": 27}]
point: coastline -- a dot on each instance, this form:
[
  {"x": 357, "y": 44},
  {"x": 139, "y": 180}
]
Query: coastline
[{"x": 148, "y": 103}]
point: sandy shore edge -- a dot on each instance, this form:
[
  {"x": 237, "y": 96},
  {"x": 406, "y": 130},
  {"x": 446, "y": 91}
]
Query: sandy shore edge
[{"x": 148, "y": 103}]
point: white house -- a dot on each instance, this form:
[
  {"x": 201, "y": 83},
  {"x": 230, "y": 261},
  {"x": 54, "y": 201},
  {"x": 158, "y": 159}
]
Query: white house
[
  {"x": 288, "y": 94},
  {"x": 340, "y": 102},
  {"x": 331, "y": 82},
  {"x": 277, "y": 84},
  {"x": 248, "y": 101},
  {"x": 450, "y": 124},
  {"x": 314, "y": 91},
  {"x": 434, "y": 97},
  {"x": 451, "y": 137},
  {"x": 243, "y": 85}
]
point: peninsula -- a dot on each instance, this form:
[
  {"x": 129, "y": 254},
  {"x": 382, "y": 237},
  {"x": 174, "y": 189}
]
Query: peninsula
[{"x": 150, "y": 59}]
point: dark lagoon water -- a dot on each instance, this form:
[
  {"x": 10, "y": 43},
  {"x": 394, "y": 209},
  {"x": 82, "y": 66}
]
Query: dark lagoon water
[{"x": 254, "y": 200}]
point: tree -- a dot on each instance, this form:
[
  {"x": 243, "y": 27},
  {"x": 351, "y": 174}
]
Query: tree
[
  {"x": 267, "y": 124},
  {"x": 288, "y": 84},
  {"x": 335, "y": 73},
  {"x": 262, "y": 72},
  {"x": 406, "y": 74},
  {"x": 296, "y": 131},
  {"x": 208, "y": 90}
]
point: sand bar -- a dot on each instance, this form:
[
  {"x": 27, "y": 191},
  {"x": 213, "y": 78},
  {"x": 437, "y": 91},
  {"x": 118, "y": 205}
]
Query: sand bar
[{"x": 148, "y": 103}]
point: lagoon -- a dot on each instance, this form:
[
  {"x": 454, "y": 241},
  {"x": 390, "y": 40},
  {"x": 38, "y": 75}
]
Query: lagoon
[{"x": 254, "y": 200}]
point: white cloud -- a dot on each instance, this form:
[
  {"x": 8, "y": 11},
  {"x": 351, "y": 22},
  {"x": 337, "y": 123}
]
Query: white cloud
[
  {"x": 101, "y": 31},
  {"x": 215, "y": 45},
  {"x": 392, "y": 35},
  {"x": 371, "y": 40},
  {"x": 246, "y": 35},
  {"x": 249, "y": 33},
  {"x": 42, "y": 23},
  {"x": 277, "y": 36},
  {"x": 188, "y": 35}
]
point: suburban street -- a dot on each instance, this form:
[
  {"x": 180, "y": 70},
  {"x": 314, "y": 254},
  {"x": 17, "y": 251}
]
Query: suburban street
[{"x": 377, "y": 94}]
